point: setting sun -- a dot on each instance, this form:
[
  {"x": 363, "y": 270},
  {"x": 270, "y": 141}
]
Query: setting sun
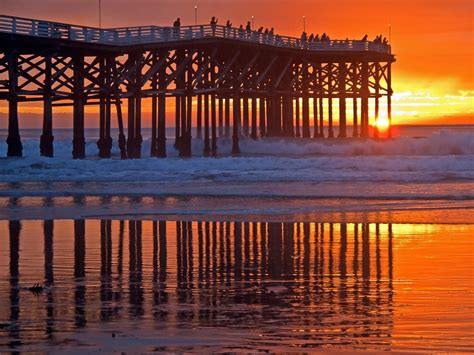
[{"x": 382, "y": 123}]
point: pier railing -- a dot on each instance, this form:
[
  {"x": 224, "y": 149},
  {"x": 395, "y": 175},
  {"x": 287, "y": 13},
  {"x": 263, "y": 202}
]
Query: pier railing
[{"x": 157, "y": 34}]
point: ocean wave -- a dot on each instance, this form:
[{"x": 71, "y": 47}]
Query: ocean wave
[{"x": 442, "y": 157}]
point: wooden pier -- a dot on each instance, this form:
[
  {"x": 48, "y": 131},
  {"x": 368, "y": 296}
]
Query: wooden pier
[{"x": 241, "y": 84}]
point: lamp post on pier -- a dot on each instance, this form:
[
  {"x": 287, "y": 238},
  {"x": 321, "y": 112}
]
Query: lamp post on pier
[
  {"x": 195, "y": 15},
  {"x": 304, "y": 23},
  {"x": 253, "y": 18}
]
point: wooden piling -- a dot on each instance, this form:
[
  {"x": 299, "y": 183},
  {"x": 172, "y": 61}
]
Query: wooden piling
[
  {"x": 315, "y": 117},
  {"x": 297, "y": 117},
  {"x": 235, "y": 123},
  {"x": 227, "y": 116},
  {"x": 221, "y": 116},
  {"x": 47, "y": 138},
  {"x": 305, "y": 102},
  {"x": 377, "y": 93},
  {"x": 364, "y": 100},
  {"x": 254, "y": 118},
  {"x": 355, "y": 80},
  {"x": 15, "y": 148},
  {"x": 161, "y": 133},
  {"x": 261, "y": 116},
  {"x": 78, "y": 143},
  {"x": 330, "y": 121},
  {"x": 207, "y": 146},
  {"x": 355, "y": 131},
  {"x": 389, "y": 100},
  {"x": 199, "y": 117},
  {"x": 245, "y": 116},
  {"x": 342, "y": 99},
  {"x": 213, "y": 126}
]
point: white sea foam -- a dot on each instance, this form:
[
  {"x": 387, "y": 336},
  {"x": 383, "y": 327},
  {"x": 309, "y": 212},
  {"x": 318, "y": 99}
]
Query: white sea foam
[{"x": 445, "y": 156}]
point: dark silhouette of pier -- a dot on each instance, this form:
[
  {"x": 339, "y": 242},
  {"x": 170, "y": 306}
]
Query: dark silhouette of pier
[{"x": 255, "y": 84}]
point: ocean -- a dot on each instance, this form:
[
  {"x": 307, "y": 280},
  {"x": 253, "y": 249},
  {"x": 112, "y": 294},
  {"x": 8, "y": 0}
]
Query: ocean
[{"x": 296, "y": 245}]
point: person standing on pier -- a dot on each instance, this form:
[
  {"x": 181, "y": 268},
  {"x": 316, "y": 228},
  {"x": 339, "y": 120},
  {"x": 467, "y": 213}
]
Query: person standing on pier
[
  {"x": 176, "y": 27},
  {"x": 241, "y": 31},
  {"x": 213, "y": 22},
  {"x": 228, "y": 28},
  {"x": 248, "y": 29}
]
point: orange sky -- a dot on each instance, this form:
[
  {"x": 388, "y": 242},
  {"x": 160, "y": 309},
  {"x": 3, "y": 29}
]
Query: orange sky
[{"x": 433, "y": 39}]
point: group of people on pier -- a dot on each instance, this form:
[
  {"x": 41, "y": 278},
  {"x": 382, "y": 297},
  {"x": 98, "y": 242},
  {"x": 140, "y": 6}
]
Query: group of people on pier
[
  {"x": 312, "y": 38},
  {"x": 267, "y": 36}
]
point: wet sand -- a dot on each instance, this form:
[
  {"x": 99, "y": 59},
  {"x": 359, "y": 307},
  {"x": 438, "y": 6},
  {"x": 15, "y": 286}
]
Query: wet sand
[{"x": 136, "y": 285}]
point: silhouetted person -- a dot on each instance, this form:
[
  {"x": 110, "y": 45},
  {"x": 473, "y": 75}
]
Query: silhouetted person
[
  {"x": 228, "y": 27},
  {"x": 271, "y": 34},
  {"x": 213, "y": 24},
  {"x": 176, "y": 26},
  {"x": 303, "y": 37},
  {"x": 311, "y": 37},
  {"x": 385, "y": 41},
  {"x": 241, "y": 31},
  {"x": 248, "y": 29},
  {"x": 364, "y": 38},
  {"x": 316, "y": 38}
]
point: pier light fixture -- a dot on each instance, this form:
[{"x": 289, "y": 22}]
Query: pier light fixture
[
  {"x": 195, "y": 15},
  {"x": 304, "y": 23},
  {"x": 253, "y": 18}
]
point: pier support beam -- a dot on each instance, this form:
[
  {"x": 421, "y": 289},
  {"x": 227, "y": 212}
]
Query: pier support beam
[
  {"x": 15, "y": 148},
  {"x": 213, "y": 126},
  {"x": 78, "y": 142},
  {"x": 377, "y": 92},
  {"x": 355, "y": 130},
  {"x": 105, "y": 141},
  {"x": 199, "y": 117},
  {"x": 207, "y": 146},
  {"x": 245, "y": 116},
  {"x": 297, "y": 117},
  {"x": 305, "y": 102},
  {"x": 261, "y": 117},
  {"x": 236, "y": 123},
  {"x": 389, "y": 99},
  {"x": 254, "y": 118},
  {"x": 161, "y": 133},
  {"x": 221, "y": 116},
  {"x": 227, "y": 116},
  {"x": 287, "y": 116},
  {"x": 330, "y": 120},
  {"x": 177, "y": 122},
  {"x": 154, "y": 111},
  {"x": 342, "y": 99},
  {"x": 47, "y": 138},
  {"x": 321, "y": 107},
  {"x": 154, "y": 121},
  {"x": 315, "y": 117},
  {"x": 364, "y": 119},
  {"x": 278, "y": 116}
]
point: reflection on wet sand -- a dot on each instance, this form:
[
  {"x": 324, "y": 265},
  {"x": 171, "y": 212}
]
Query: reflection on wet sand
[{"x": 293, "y": 284}]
